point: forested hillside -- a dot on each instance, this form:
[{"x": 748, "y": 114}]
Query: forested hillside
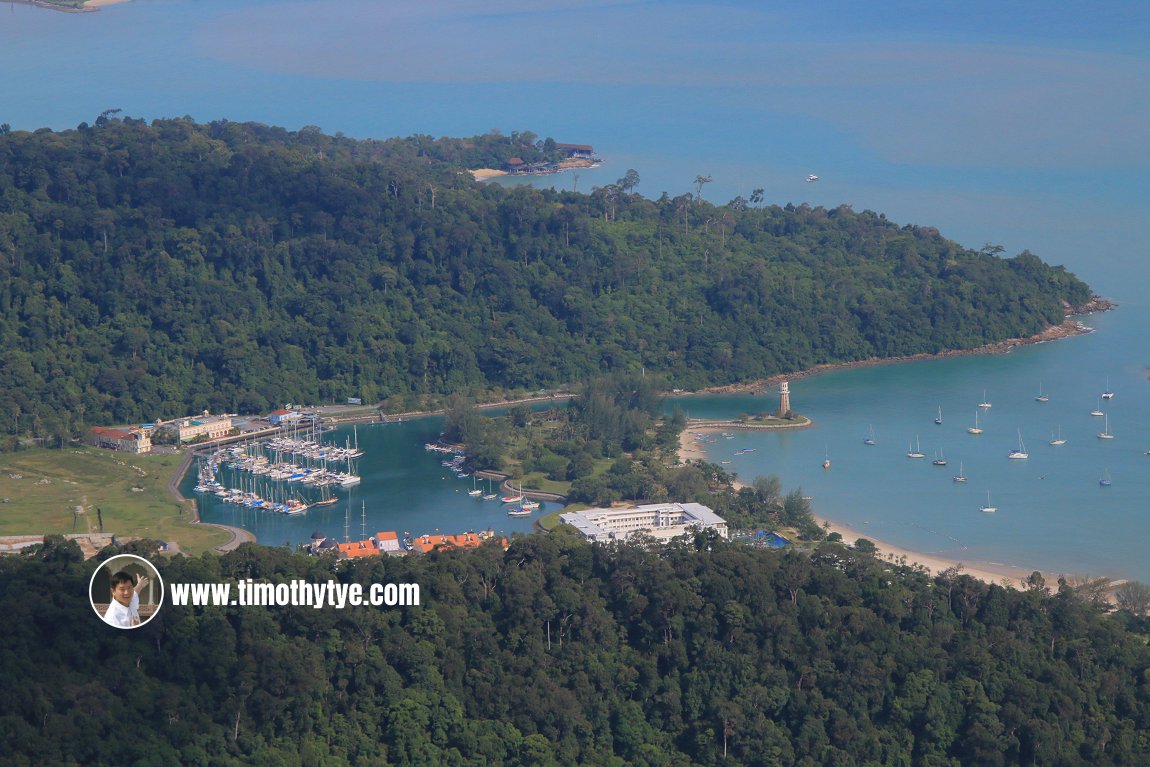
[
  {"x": 151, "y": 270},
  {"x": 560, "y": 653}
]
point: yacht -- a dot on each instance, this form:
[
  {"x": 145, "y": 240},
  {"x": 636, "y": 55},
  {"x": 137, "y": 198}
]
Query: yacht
[
  {"x": 974, "y": 429},
  {"x": 985, "y": 405},
  {"x": 960, "y": 477},
  {"x": 988, "y": 508},
  {"x": 1020, "y": 451},
  {"x": 916, "y": 451},
  {"x": 1057, "y": 440},
  {"x": 1105, "y": 433},
  {"x": 1041, "y": 397}
]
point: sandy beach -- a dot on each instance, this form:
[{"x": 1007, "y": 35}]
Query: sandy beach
[{"x": 1005, "y": 575}]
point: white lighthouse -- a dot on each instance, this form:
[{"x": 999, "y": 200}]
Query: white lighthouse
[{"x": 784, "y": 399}]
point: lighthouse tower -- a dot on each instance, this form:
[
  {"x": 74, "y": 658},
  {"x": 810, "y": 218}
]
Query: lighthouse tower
[{"x": 784, "y": 399}]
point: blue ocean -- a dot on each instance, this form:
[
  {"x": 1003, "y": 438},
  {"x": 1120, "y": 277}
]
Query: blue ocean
[{"x": 1020, "y": 126}]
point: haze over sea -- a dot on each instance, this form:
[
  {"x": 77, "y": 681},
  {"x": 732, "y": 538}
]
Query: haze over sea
[{"x": 1019, "y": 124}]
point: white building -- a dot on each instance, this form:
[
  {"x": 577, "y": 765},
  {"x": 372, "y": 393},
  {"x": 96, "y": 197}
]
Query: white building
[{"x": 662, "y": 521}]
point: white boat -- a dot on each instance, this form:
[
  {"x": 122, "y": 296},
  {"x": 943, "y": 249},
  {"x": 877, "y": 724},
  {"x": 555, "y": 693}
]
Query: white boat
[
  {"x": 1105, "y": 433},
  {"x": 1097, "y": 411},
  {"x": 1057, "y": 440},
  {"x": 826, "y": 460},
  {"x": 519, "y": 511},
  {"x": 988, "y": 508},
  {"x": 1041, "y": 397},
  {"x": 1020, "y": 452},
  {"x": 985, "y": 405},
  {"x": 960, "y": 477},
  {"x": 1108, "y": 394},
  {"x": 1105, "y": 481},
  {"x": 974, "y": 429},
  {"x": 938, "y": 418},
  {"x": 475, "y": 490},
  {"x": 870, "y": 439},
  {"x": 939, "y": 459},
  {"x": 916, "y": 451}
]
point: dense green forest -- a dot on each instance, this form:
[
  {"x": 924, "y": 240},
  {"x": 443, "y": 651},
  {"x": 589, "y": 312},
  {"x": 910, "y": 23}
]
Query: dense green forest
[
  {"x": 557, "y": 652},
  {"x": 151, "y": 270}
]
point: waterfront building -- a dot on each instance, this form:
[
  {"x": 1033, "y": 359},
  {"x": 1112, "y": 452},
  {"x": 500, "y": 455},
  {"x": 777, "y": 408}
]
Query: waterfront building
[
  {"x": 662, "y": 521},
  {"x": 205, "y": 426},
  {"x": 133, "y": 440},
  {"x": 425, "y": 543},
  {"x": 284, "y": 417}
]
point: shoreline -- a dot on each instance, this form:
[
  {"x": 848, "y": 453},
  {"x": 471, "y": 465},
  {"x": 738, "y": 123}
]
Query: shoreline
[
  {"x": 990, "y": 572},
  {"x": 88, "y": 6},
  {"x": 1068, "y": 328}
]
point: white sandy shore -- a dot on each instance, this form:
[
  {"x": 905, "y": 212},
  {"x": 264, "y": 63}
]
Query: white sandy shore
[{"x": 990, "y": 572}]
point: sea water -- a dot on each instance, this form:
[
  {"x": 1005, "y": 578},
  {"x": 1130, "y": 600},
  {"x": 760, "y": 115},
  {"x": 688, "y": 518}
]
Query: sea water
[{"x": 751, "y": 97}]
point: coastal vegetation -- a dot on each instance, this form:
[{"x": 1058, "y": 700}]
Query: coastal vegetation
[
  {"x": 152, "y": 270},
  {"x": 557, "y": 652}
]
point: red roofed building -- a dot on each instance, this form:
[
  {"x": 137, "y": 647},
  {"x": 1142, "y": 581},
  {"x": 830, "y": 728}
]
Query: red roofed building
[
  {"x": 125, "y": 440},
  {"x": 381, "y": 543},
  {"x": 356, "y": 549},
  {"x": 425, "y": 543}
]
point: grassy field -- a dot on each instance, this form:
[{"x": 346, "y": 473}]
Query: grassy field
[{"x": 59, "y": 491}]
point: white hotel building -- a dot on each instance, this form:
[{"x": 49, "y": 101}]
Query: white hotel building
[{"x": 662, "y": 521}]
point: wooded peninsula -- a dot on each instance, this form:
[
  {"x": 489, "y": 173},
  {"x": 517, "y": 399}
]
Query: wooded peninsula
[{"x": 173, "y": 267}]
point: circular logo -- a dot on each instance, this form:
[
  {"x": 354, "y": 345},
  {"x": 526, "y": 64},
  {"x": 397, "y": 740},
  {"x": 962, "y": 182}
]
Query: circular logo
[{"x": 126, "y": 591}]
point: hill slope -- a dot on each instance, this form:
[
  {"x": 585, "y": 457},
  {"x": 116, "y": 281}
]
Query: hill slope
[{"x": 151, "y": 270}]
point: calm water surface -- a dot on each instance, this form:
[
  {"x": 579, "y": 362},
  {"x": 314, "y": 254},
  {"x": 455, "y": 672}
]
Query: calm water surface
[{"x": 751, "y": 95}]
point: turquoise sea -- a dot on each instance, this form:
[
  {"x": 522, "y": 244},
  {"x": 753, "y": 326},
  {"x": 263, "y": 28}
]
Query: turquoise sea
[{"x": 1017, "y": 124}]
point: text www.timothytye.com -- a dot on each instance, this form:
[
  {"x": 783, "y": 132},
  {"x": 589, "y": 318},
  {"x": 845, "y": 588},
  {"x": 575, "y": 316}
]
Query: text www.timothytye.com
[{"x": 248, "y": 593}]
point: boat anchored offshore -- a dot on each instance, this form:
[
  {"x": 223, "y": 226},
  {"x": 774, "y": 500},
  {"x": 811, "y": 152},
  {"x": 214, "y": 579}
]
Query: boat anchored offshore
[
  {"x": 1105, "y": 481},
  {"x": 975, "y": 429},
  {"x": 1020, "y": 452},
  {"x": 1105, "y": 433},
  {"x": 916, "y": 451},
  {"x": 1057, "y": 440},
  {"x": 988, "y": 508},
  {"x": 960, "y": 477}
]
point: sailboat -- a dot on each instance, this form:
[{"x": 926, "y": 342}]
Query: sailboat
[
  {"x": 938, "y": 418},
  {"x": 1108, "y": 394},
  {"x": 1057, "y": 440},
  {"x": 960, "y": 477},
  {"x": 826, "y": 460},
  {"x": 490, "y": 495},
  {"x": 1020, "y": 452},
  {"x": 1105, "y": 481},
  {"x": 916, "y": 451},
  {"x": 984, "y": 404},
  {"x": 1097, "y": 411},
  {"x": 870, "y": 439},
  {"x": 974, "y": 429},
  {"x": 939, "y": 459},
  {"x": 988, "y": 508},
  {"x": 475, "y": 490},
  {"x": 1041, "y": 397},
  {"x": 1105, "y": 433}
]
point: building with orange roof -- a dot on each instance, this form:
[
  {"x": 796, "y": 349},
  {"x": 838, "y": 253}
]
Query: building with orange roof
[
  {"x": 381, "y": 543},
  {"x": 469, "y": 540}
]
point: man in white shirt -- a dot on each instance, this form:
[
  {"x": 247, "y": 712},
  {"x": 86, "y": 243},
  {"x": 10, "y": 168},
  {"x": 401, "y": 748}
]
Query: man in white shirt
[{"x": 124, "y": 610}]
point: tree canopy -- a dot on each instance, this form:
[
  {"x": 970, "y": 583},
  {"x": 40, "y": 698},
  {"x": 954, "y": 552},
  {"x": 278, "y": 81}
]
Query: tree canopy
[
  {"x": 151, "y": 270},
  {"x": 557, "y": 652}
]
